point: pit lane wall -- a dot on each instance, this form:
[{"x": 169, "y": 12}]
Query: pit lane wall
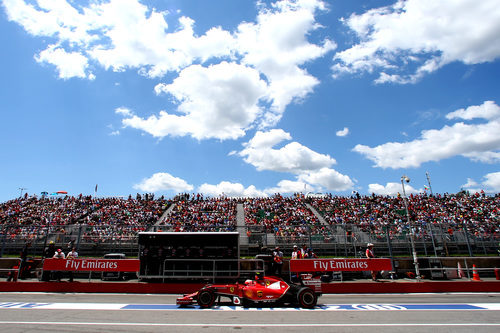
[
  {"x": 180, "y": 286},
  {"x": 351, "y": 287}
]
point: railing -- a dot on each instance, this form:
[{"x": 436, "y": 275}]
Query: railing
[
  {"x": 459, "y": 267},
  {"x": 327, "y": 240},
  {"x": 212, "y": 269}
]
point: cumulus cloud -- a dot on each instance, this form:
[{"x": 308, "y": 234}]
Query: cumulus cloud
[
  {"x": 327, "y": 179},
  {"x": 309, "y": 167},
  {"x": 276, "y": 45},
  {"x": 126, "y": 112},
  {"x": 126, "y": 34},
  {"x": 479, "y": 141},
  {"x": 425, "y": 34},
  {"x": 490, "y": 184},
  {"x": 391, "y": 189},
  {"x": 290, "y": 186},
  {"x": 293, "y": 157},
  {"x": 342, "y": 132},
  {"x": 163, "y": 181},
  {"x": 219, "y": 101},
  {"x": 68, "y": 65},
  {"x": 231, "y": 190}
]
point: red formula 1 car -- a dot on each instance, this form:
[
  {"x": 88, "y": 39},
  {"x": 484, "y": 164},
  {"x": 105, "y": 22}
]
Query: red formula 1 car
[{"x": 262, "y": 290}]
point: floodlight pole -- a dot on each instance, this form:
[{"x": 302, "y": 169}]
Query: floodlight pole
[
  {"x": 404, "y": 179},
  {"x": 22, "y": 189},
  {"x": 428, "y": 181}
]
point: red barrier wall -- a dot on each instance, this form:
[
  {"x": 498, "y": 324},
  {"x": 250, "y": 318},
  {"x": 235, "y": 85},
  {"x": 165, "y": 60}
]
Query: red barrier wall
[{"x": 182, "y": 288}]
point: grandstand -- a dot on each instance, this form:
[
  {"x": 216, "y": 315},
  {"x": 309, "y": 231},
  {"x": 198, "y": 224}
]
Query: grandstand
[{"x": 444, "y": 224}]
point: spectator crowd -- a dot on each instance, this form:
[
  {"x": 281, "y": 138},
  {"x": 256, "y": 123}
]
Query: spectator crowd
[
  {"x": 293, "y": 218},
  {"x": 200, "y": 214},
  {"x": 104, "y": 219}
]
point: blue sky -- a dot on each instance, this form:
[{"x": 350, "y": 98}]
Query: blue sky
[{"x": 249, "y": 98}]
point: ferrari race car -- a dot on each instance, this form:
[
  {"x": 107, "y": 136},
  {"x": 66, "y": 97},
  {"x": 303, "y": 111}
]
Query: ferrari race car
[{"x": 263, "y": 290}]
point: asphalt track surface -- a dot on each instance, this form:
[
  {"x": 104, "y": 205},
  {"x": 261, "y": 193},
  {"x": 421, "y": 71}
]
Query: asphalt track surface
[{"x": 58, "y": 312}]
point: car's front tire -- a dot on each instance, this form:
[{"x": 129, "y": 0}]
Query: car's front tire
[{"x": 206, "y": 298}]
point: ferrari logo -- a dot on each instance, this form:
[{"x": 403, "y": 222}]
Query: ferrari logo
[
  {"x": 231, "y": 289},
  {"x": 260, "y": 294},
  {"x": 268, "y": 282}
]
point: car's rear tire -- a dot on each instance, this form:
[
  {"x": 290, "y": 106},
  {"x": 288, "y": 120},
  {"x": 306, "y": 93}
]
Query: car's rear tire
[
  {"x": 206, "y": 298},
  {"x": 307, "y": 298}
]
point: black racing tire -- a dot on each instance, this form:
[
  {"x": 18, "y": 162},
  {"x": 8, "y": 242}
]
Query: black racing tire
[
  {"x": 206, "y": 298},
  {"x": 307, "y": 298}
]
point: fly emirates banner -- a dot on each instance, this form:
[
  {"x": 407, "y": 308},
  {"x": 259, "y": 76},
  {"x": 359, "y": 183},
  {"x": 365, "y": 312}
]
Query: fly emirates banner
[
  {"x": 336, "y": 265},
  {"x": 92, "y": 265}
]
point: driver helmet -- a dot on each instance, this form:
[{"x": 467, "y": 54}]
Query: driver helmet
[{"x": 258, "y": 275}]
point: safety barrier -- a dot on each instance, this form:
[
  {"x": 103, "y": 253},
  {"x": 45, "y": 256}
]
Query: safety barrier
[{"x": 457, "y": 267}]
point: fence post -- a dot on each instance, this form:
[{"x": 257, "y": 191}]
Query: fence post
[
  {"x": 423, "y": 241},
  {"x": 79, "y": 237},
  {"x": 389, "y": 245},
  {"x": 433, "y": 240},
  {"x": 345, "y": 239},
  {"x": 468, "y": 242}
]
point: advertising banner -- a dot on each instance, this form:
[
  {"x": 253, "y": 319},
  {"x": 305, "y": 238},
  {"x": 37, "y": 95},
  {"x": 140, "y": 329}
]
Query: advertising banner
[
  {"x": 92, "y": 265},
  {"x": 337, "y": 265}
]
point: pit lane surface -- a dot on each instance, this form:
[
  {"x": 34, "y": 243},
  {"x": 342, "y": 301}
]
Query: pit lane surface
[{"x": 28, "y": 312}]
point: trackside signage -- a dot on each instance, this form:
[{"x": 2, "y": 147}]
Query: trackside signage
[
  {"x": 92, "y": 265},
  {"x": 336, "y": 265}
]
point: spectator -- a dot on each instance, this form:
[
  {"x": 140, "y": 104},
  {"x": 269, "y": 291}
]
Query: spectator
[
  {"x": 310, "y": 254},
  {"x": 371, "y": 254},
  {"x": 277, "y": 261},
  {"x": 73, "y": 254},
  {"x": 296, "y": 254},
  {"x": 59, "y": 254},
  {"x": 23, "y": 266}
]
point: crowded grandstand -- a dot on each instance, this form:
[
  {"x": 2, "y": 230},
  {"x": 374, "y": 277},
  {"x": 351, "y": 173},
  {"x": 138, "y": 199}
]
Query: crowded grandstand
[{"x": 442, "y": 224}]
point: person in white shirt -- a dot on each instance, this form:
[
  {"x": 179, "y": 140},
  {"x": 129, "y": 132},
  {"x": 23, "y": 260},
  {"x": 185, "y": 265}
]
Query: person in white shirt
[
  {"x": 73, "y": 254},
  {"x": 59, "y": 255}
]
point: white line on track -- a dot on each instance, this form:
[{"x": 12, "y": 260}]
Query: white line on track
[{"x": 56, "y": 323}]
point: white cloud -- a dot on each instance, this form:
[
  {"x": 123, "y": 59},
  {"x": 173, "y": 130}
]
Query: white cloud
[
  {"x": 471, "y": 183},
  {"x": 52, "y": 18},
  {"x": 68, "y": 65},
  {"x": 293, "y": 157},
  {"x": 309, "y": 167},
  {"x": 425, "y": 33},
  {"x": 126, "y": 34},
  {"x": 490, "y": 184},
  {"x": 126, "y": 112},
  {"x": 163, "y": 181},
  {"x": 492, "y": 181},
  {"x": 230, "y": 190},
  {"x": 276, "y": 45},
  {"x": 479, "y": 142},
  {"x": 391, "y": 189},
  {"x": 488, "y": 110},
  {"x": 290, "y": 186},
  {"x": 327, "y": 179},
  {"x": 120, "y": 34},
  {"x": 219, "y": 101},
  {"x": 342, "y": 132}
]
